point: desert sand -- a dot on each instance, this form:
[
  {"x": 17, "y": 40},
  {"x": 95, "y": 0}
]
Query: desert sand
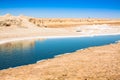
[
  {"x": 20, "y": 27},
  {"x": 96, "y": 63}
]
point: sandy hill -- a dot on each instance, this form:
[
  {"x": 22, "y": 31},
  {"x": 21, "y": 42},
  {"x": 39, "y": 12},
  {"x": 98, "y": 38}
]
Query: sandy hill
[
  {"x": 24, "y": 21},
  {"x": 9, "y": 20}
]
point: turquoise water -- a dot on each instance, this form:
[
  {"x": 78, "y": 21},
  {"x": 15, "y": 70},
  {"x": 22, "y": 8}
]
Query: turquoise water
[{"x": 30, "y": 51}]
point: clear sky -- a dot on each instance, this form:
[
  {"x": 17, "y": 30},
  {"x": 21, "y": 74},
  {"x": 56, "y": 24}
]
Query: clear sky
[{"x": 62, "y": 8}]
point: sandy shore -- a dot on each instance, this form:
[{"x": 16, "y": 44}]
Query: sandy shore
[
  {"x": 47, "y": 37},
  {"x": 95, "y": 63},
  {"x": 14, "y": 34},
  {"x": 14, "y": 28}
]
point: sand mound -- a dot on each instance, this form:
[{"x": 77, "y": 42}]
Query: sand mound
[
  {"x": 14, "y": 21},
  {"x": 10, "y": 20}
]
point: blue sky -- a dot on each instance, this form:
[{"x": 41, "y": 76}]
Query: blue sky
[{"x": 62, "y": 8}]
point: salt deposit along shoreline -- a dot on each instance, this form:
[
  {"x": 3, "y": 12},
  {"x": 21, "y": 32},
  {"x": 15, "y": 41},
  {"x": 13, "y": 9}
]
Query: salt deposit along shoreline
[
  {"x": 52, "y": 37},
  {"x": 93, "y": 63},
  {"x": 48, "y": 37}
]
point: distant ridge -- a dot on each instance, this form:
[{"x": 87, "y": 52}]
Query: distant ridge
[
  {"x": 9, "y": 20},
  {"x": 7, "y": 15}
]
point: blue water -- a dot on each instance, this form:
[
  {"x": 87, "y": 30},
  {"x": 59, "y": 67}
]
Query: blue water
[{"x": 28, "y": 52}]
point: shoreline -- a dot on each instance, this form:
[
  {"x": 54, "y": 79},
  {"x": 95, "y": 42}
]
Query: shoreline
[
  {"x": 53, "y": 37},
  {"x": 49, "y": 37},
  {"x": 91, "y": 62}
]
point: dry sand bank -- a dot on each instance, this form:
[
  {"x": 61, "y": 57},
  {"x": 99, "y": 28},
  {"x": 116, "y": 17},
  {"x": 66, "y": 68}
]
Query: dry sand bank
[
  {"x": 47, "y": 37},
  {"x": 24, "y": 21},
  {"x": 98, "y": 63},
  {"x": 12, "y": 27},
  {"x": 95, "y": 63},
  {"x": 12, "y": 34}
]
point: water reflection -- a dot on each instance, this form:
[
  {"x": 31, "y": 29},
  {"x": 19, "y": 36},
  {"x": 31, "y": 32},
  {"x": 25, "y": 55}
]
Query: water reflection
[
  {"x": 9, "y": 47},
  {"x": 18, "y": 45},
  {"x": 30, "y": 51}
]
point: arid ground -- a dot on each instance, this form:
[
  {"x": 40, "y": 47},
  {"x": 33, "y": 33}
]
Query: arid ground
[
  {"x": 22, "y": 26},
  {"x": 95, "y": 63}
]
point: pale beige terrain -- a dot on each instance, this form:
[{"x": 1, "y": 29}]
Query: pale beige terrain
[
  {"x": 23, "y": 26},
  {"x": 95, "y": 63}
]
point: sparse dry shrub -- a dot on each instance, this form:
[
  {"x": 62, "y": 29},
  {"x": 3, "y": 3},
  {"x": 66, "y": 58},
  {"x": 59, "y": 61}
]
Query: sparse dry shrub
[{"x": 10, "y": 22}]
